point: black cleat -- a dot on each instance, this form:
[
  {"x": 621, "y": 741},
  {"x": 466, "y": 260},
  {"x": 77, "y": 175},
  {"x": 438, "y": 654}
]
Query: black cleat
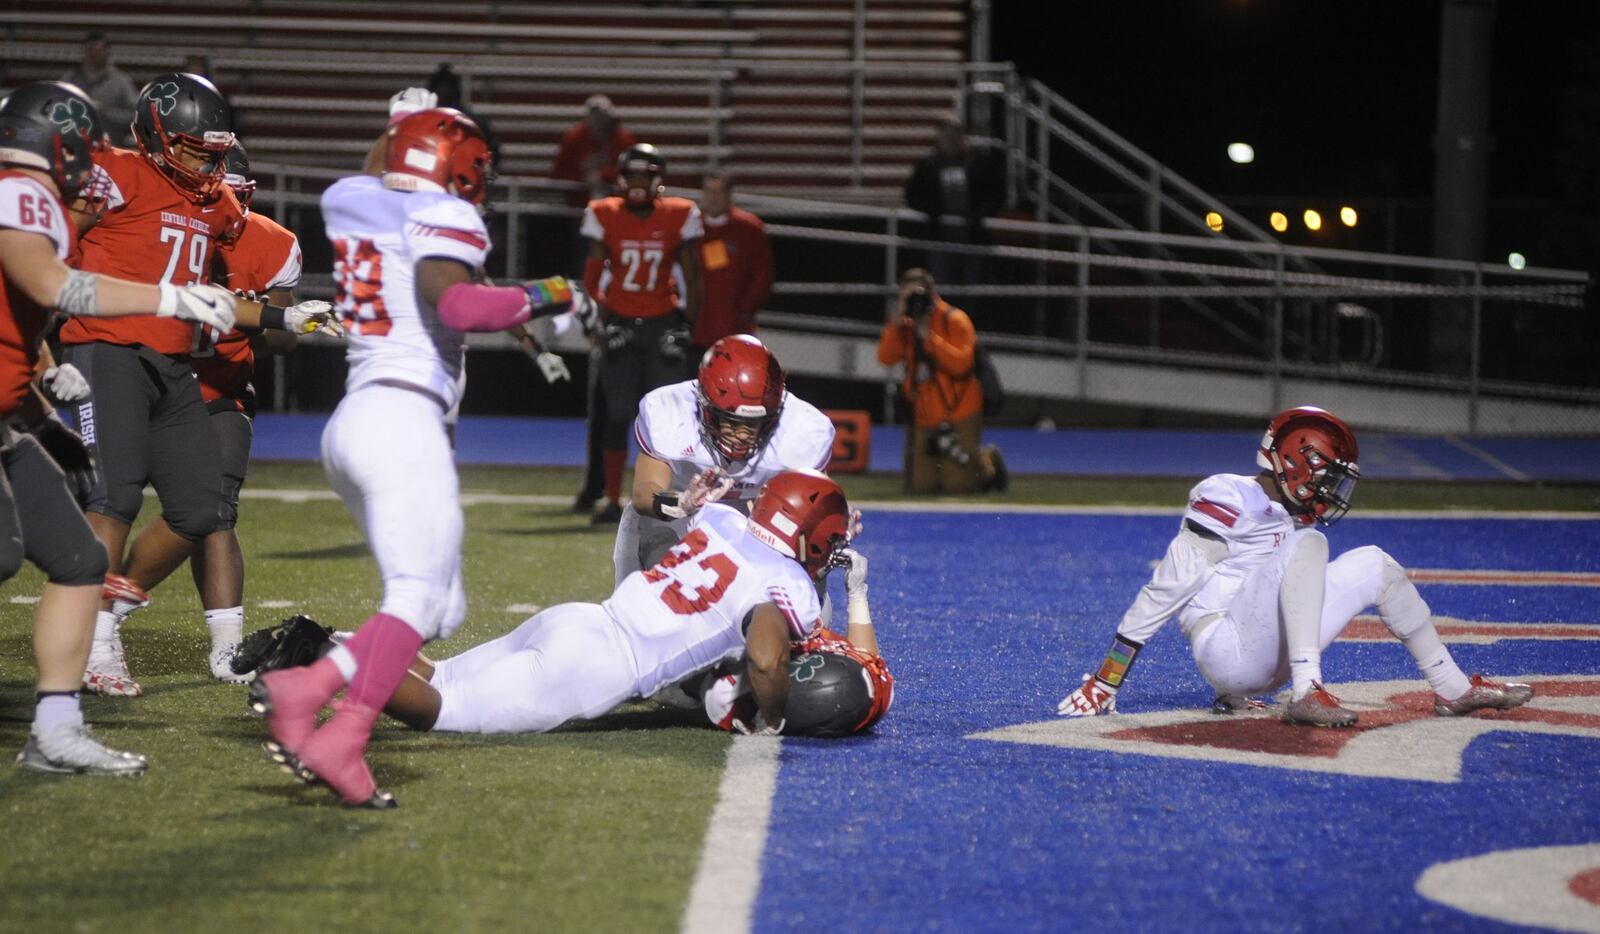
[{"x": 610, "y": 515}]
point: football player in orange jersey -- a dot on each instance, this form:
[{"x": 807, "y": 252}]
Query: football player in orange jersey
[
  {"x": 264, "y": 261},
  {"x": 41, "y": 162},
  {"x": 166, "y": 210},
  {"x": 635, "y": 238}
]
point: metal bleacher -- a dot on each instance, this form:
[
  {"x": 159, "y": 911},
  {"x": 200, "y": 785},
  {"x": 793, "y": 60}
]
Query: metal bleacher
[{"x": 796, "y": 96}]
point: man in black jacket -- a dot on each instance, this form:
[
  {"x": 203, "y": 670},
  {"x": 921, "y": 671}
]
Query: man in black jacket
[{"x": 955, "y": 179}]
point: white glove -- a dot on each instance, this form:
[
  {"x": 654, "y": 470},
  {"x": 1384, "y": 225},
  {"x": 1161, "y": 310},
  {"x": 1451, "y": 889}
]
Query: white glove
[
  {"x": 411, "y": 100},
  {"x": 208, "y": 304},
  {"x": 312, "y": 317},
  {"x": 854, "y": 531},
  {"x": 708, "y": 486},
  {"x": 855, "y": 579},
  {"x": 1090, "y": 699},
  {"x": 759, "y": 726},
  {"x": 552, "y": 366},
  {"x": 66, "y": 384}
]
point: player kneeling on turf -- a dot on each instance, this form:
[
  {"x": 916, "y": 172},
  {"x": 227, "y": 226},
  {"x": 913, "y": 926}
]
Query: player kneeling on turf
[{"x": 1250, "y": 583}]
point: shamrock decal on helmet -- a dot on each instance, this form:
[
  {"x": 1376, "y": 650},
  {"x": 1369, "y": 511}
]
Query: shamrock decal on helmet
[
  {"x": 164, "y": 94},
  {"x": 69, "y": 115},
  {"x": 806, "y": 666}
]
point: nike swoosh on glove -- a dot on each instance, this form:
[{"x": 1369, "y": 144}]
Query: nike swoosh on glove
[{"x": 207, "y": 304}]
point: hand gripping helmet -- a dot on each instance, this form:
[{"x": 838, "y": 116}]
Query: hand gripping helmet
[
  {"x": 835, "y": 689},
  {"x": 35, "y": 143},
  {"x": 236, "y": 175},
  {"x": 179, "y": 114},
  {"x": 1312, "y": 455},
  {"x": 440, "y": 149},
  {"x": 740, "y": 394},
  {"x": 803, "y": 515},
  {"x": 641, "y": 159}
]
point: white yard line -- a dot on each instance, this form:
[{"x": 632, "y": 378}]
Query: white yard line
[
  {"x": 951, "y": 506},
  {"x": 729, "y": 877}
]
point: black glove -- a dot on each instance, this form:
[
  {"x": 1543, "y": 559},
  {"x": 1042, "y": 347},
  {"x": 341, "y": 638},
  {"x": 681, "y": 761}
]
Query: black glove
[
  {"x": 617, "y": 337},
  {"x": 673, "y": 344},
  {"x": 67, "y": 449},
  {"x": 295, "y": 642}
]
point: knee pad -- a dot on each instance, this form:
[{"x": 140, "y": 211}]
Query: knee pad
[
  {"x": 1399, "y": 604},
  {"x": 227, "y": 515},
  {"x": 1311, "y": 539},
  {"x": 194, "y": 523},
  {"x": 121, "y": 503},
  {"x": 11, "y": 558},
  {"x": 81, "y": 563}
]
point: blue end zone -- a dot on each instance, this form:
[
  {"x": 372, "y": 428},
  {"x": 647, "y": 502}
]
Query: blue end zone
[
  {"x": 988, "y": 621},
  {"x": 559, "y": 442}
]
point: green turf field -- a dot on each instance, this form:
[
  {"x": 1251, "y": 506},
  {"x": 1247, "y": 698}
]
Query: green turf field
[{"x": 593, "y": 828}]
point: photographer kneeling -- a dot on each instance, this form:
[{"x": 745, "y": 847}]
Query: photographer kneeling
[{"x": 935, "y": 340}]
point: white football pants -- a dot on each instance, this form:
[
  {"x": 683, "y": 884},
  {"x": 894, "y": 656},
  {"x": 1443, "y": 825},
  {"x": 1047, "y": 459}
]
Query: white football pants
[
  {"x": 1245, "y": 651},
  {"x": 655, "y": 535},
  {"x": 567, "y": 662},
  {"x": 387, "y": 456}
]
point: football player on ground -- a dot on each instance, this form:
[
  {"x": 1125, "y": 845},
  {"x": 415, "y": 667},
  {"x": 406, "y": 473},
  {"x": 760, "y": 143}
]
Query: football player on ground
[
  {"x": 735, "y": 589},
  {"x": 1250, "y": 583},
  {"x": 41, "y": 166},
  {"x": 635, "y": 239},
  {"x": 408, "y": 254},
  {"x": 735, "y": 417},
  {"x": 264, "y": 261}
]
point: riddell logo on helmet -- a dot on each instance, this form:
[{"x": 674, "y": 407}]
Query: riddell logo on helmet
[{"x": 420, "y": 159}]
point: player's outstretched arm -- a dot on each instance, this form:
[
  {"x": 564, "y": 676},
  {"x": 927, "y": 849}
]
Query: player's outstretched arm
[
  {"x": 858, "y": 611},
  {"x": 30, "y": 264},
  {"x": 767, "y": 651}
]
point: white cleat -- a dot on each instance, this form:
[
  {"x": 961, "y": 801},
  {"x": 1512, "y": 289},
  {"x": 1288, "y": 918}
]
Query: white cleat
[
  {"x": 69, "y": 749},
  {"x": 107, "y": 671},
  {"x": 221, "y": 659}
]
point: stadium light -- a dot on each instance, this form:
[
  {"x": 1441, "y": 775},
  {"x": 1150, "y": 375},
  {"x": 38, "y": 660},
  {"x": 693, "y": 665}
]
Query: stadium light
[
  {"x": 1242, "y": 153},
  {"x": 1313, "y": 219},
  {"x": 1214, "y": 221},
  {"x": 1347, "y": 216},
  {"x": 1517, "y": 261},
  {"x": 1279, "y": 221}
]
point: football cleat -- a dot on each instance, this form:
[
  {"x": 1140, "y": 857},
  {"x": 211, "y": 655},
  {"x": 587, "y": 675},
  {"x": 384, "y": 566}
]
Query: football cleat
[
  {"x": 290, "y": 700},
  {"x": 69, "y": 749},
  {"x": 106, "y": 673},
  {"x": 1484, "y": 695},
  {"x": 1229, "y": 704},
  {"x": 1318, "y": 708},
  {"x": 119, "y": 589},
  {"x": 221, "y": 662},
  {"x": 335, "y": 756},
  {"x": 609, "y": 514}
]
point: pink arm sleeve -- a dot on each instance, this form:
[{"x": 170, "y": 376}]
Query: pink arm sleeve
[{"x": 474, "y": 307}]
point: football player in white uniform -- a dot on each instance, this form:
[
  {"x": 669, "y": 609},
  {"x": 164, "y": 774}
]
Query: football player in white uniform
[
  {"x": 737, "y": 418},
  {"x": 408, "y": 254},
  {"x": 1250, "y": 583},
  {"x": 733, "y": 588}
]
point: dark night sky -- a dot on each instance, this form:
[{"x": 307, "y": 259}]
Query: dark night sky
[{"x": 1337, "y": 96}]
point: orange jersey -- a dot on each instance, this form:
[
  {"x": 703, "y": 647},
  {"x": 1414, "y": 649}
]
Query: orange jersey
[
  {"x": 640, "y": 252},
  {"x": 28, "y": 205},
  {"x": 266, "y": 257},
  {"x": 151, "y": 233}
]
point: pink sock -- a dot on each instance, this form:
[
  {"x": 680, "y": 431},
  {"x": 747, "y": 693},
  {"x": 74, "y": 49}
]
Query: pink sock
[
  {"x": 327, "y": 677},
  {"x": 383, "y": 648}
]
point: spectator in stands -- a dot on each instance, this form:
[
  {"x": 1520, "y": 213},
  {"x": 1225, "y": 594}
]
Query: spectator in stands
[
  {"x": 588, "y": 152},
  {"x": 936, "y": 342},
  {"x": 107, "y": 85},
  {"x": 735, "y": 264},
  {"x": 955, "y": 179}
]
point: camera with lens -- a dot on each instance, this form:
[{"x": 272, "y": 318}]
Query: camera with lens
[
  {"x": 918, "y": 303},
  {"x": 943, "y": 442}
]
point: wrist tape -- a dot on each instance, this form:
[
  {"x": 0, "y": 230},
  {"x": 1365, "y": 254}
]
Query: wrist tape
[
  {"x": 665, "y": 506},
  {"x": 1117, "y": 662}
]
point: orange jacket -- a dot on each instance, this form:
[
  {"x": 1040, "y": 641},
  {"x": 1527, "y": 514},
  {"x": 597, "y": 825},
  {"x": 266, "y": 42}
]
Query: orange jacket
[{"x": 941, "y": 383}]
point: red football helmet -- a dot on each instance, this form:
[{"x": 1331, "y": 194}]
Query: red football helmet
[
  {"x": 741, "y": 396},
  {"x": 440, "y": 149},
  {"x": 802, "y": 514},
  {"x": 1312, "y": 456}
]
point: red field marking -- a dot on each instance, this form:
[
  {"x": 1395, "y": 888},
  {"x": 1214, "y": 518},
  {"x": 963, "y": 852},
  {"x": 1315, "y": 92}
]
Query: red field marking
[
  {"x": 1371, "y": 629},
  {"x": 1512, "y": 578}
]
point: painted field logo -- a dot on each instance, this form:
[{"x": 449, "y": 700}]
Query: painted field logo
[{"x": 1398, "y": 736}]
